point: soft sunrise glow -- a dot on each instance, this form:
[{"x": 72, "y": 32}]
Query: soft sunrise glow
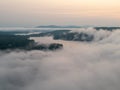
[{"x": 78, "y": 12}]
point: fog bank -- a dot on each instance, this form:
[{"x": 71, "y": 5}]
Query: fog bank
[{"x": 78, "y": 66}]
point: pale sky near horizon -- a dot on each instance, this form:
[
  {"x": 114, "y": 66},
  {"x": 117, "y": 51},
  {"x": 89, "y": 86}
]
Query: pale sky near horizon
[{"x": 59, "y": 12}]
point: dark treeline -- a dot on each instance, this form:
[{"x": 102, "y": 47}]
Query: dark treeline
[
  {"x": 66, "y": 35},
  {"x": 107, "y": 28},
  {"x": 14, "y": 42},
  {"x": 72, "y": 36},
  {"x": 24, "y": 43}
]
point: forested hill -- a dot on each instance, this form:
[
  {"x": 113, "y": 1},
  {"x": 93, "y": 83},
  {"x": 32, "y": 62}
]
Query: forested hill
[{"x": 13, "y": 42}]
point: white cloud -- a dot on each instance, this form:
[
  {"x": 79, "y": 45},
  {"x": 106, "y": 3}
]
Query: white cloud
[{"x": 78, "y": 66}]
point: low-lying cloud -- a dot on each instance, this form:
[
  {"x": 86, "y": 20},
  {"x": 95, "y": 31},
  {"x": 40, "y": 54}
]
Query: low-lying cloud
[{"x": 78, "y": 66}]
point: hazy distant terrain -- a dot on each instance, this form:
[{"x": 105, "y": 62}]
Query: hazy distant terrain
[{"x": 60, "y": 58}]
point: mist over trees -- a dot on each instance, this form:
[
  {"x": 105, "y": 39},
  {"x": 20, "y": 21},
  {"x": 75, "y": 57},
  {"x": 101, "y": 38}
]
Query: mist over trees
[{"x": 13, "y": 42}]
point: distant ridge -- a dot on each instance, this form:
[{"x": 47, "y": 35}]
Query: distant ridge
[
  {"x": 106, "y": 28},
  {"x": 73, "y": 26},
  {"x": 55, "y": 26}
]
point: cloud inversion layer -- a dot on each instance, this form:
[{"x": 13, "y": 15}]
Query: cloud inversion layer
[{"x": 78, "y": 66}]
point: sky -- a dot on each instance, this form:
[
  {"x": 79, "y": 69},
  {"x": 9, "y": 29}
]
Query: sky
[{"x": 30, "y": 13}]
